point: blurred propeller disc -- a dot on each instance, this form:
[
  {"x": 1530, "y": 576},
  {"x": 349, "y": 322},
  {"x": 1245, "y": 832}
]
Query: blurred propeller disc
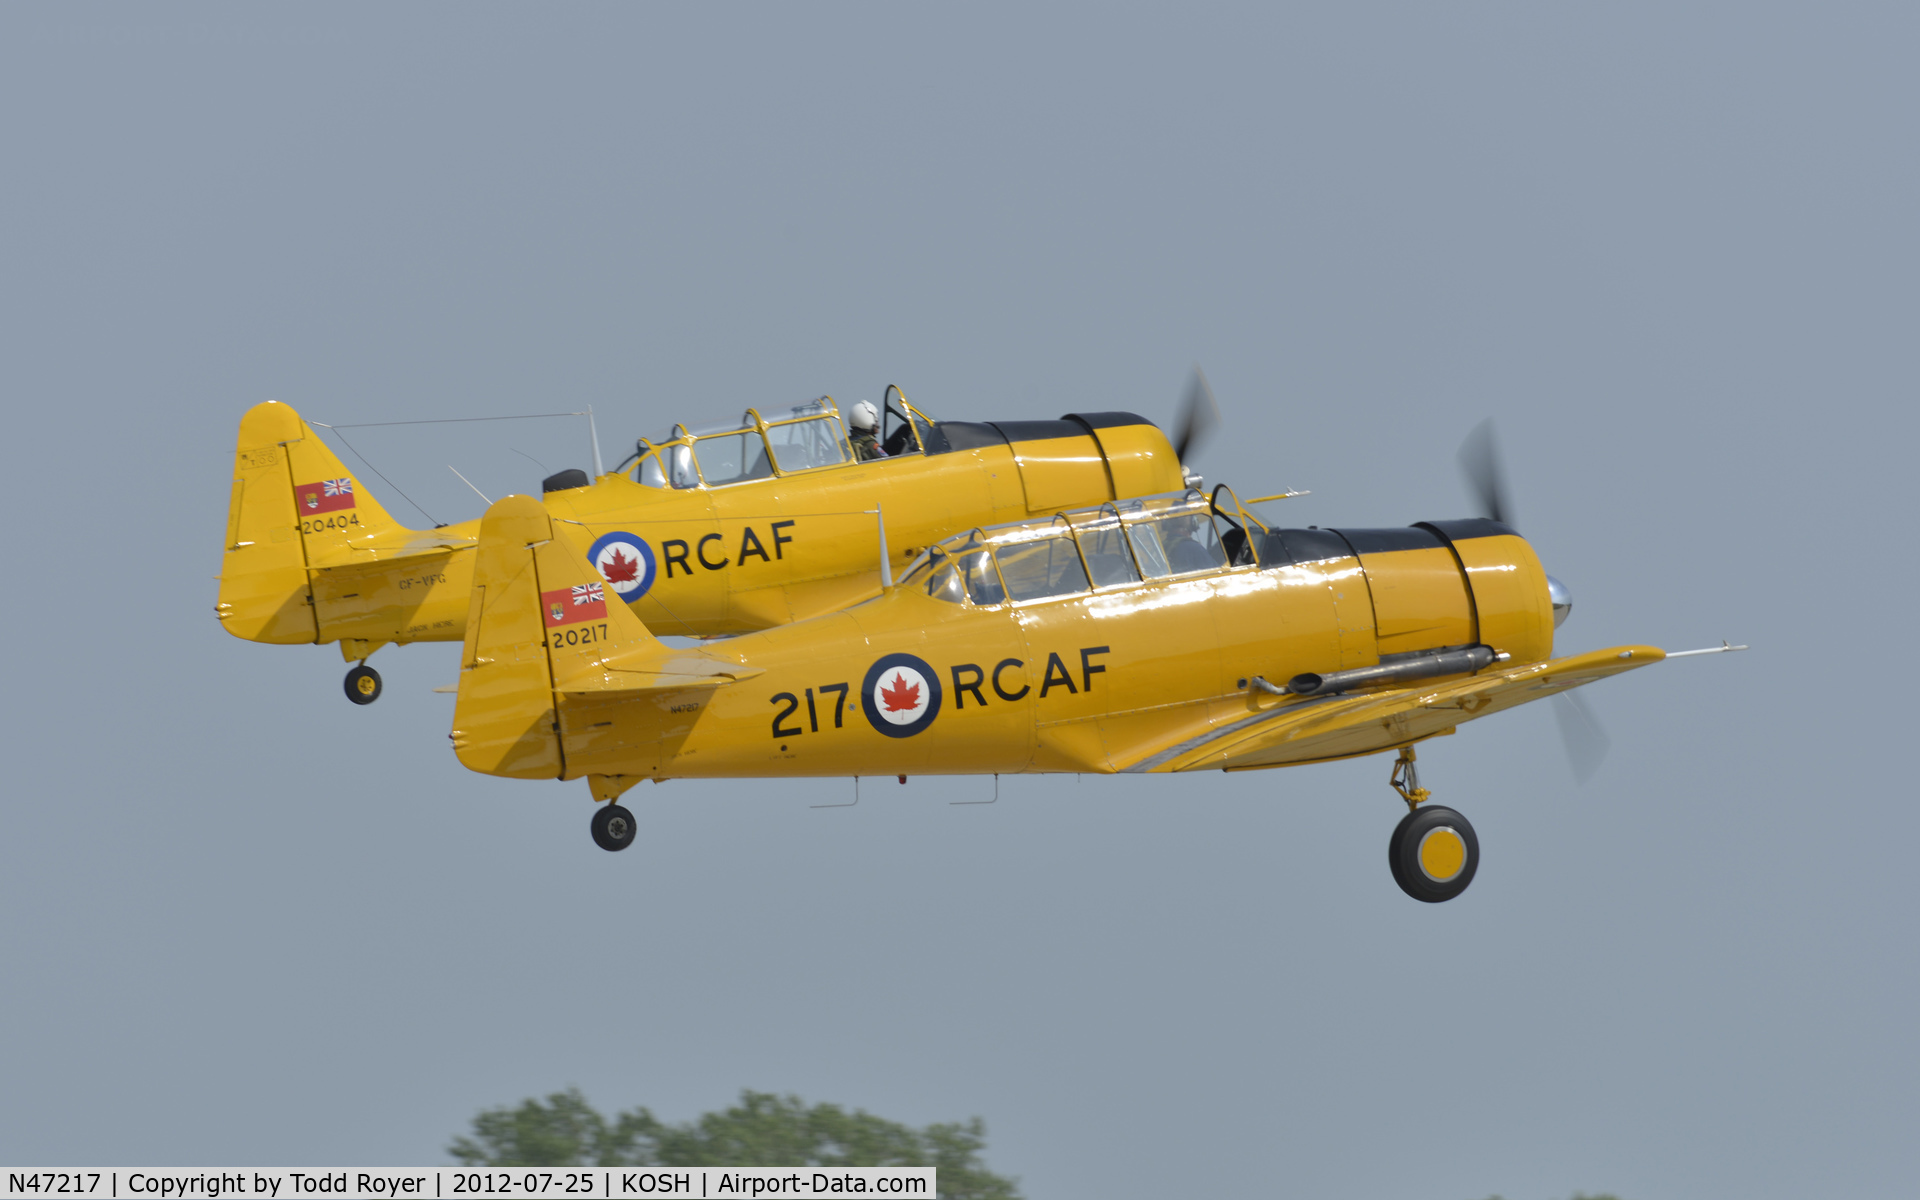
[
  {"x": 1198, "y": 415},
  {"x": 1480, "y": 463},
  {"x": 1580, "y": 732},
  {"x": 1586, "y": 742}
]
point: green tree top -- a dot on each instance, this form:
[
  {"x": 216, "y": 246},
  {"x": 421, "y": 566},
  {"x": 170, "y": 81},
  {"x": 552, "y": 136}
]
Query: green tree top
[{"x": 762, "y": 1130}]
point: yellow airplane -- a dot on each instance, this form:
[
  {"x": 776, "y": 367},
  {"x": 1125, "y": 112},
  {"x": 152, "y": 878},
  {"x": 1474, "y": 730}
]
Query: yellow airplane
[
  {"x": 722, "y": 529},
  {"x": 1173, "y": 632}
]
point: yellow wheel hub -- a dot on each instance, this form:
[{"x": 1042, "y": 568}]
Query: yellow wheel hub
[
  {"x": 365, "y": 685},
  {"x": 1443, "y": 854}
]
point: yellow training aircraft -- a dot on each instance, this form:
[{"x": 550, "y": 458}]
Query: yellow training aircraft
[
  {"x": 1163, "y": 633},
  {"x": 716, "y": 530}
]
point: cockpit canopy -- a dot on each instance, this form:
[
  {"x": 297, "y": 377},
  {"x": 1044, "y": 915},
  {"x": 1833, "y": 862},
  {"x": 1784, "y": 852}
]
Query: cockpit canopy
[
  {"x": 756, "y": 446},
  {"x": 762, "y": 445},
  {"x": 1152, "y": 537}
]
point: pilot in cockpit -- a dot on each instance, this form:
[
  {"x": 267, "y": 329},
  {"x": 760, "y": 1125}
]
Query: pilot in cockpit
[{"x": 864, "y": 421}]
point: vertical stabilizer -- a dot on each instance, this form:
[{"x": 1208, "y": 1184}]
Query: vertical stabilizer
[
  {"x": 504, "y": 721},
  {"x": 336, "y": 516},
  {"x": 311, "y": 556},
  {"x": 264, "y": 595},
  {"x": 555, "y": 667}
]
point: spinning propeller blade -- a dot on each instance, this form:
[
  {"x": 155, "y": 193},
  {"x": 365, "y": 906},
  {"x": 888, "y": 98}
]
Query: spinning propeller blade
[
  {"x": 1486, "y": 478},
  {"x": 1586, "y": 742},
  {"x": 1198, "y": 415}
]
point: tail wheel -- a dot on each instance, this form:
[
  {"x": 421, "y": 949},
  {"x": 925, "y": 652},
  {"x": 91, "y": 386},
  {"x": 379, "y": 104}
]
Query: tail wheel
[
  {"x": 363, "y": 684},
  {"x": 1433, "y": 853},
  {"x": 613, "y": 828}
]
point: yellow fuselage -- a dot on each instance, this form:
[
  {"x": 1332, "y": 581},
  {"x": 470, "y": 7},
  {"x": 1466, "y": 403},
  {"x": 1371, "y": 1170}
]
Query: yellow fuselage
[
  {"x": 1150, "y": 674},
  {"x": 304, "y": 566}
]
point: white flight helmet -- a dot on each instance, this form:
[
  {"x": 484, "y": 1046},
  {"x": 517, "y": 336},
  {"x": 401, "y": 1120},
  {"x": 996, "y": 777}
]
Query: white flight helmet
[{"x": 863, "y": 416}]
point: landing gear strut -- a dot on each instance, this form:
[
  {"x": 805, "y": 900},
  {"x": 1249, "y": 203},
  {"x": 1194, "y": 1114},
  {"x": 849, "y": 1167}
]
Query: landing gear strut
[
  {"x": 613, "y": 828},
  {"x": 1433, "y": 852},
  {"x": 363, "y": 684}
]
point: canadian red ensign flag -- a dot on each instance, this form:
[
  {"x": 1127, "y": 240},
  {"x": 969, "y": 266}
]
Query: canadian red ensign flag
[
  {"x": 328, "y": 495},
  {"x": 582, "y": 602}
]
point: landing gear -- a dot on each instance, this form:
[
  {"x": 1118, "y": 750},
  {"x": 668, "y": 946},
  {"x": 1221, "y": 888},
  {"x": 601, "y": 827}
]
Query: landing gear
[
  {"x": 613, "y": 828},
  {"x": 1433, "y": 852},
  {"x": 363, "y": 684}
]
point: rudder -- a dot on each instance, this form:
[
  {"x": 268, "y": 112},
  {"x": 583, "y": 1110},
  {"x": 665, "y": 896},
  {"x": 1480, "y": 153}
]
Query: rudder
[
  {"x": 264, "y": 594},
  {"x": 503, "y": 718}
]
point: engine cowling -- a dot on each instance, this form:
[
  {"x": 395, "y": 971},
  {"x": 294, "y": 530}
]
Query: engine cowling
[{"x": 1456, "y": 583}]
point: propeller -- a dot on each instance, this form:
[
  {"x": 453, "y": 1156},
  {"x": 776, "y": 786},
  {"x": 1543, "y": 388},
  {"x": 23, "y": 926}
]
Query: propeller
[
  {"x": 1581, "y": 733},
  {"x": 1198, "y": 415},
  {"x": 1486, "y": 479}
]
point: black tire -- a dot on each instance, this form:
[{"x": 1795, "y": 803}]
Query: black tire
[
  {"x": 363, "y": 684},
  {"x": 613, "y": 828},
  {"x": 1393, "y": 853},
  {"x": 1430, "y": 882}
]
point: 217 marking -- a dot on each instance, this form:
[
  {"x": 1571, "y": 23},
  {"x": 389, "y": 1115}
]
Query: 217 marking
[{"x": 792, "y": 703}]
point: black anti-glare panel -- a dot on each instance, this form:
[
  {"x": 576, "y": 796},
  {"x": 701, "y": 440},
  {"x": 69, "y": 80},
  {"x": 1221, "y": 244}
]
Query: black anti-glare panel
[
  {"x": 1282, "y": 546},
  {"x": 1034, "y": 431},
  {"x": 1106, "y": 420},
  {"x": 1383, "y": 541},
  {"x": 1470, "y": 527},
  {"x": 965, "y": 435}
]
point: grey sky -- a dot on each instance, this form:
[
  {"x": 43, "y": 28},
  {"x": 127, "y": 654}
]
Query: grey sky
[{"x": 1671, "y": 250}]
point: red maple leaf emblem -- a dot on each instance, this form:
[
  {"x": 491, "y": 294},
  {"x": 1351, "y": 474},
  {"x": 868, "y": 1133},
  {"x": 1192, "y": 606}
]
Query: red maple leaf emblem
[
  {"x": 620, "y": 568},
  {"x": 902, "y": 696}
]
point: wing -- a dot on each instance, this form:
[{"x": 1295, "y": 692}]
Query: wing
[{"x": 1312, "y": 729}]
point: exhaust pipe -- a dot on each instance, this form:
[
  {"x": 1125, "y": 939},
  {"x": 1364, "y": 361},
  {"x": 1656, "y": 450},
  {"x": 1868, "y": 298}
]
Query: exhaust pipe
[{"x": 1395, "y": 668}]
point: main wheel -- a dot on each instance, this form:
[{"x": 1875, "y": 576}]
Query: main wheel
[
  {"x": 363, "y": 684},
  {"x": 613, "y": 828},
  {"x": 1433, "y": 853}
]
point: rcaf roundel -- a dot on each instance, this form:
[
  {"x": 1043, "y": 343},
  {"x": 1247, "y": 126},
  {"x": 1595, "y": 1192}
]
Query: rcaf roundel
[
  {"x": 901, "y": 695},
  {"x": 625, "y": 562}
]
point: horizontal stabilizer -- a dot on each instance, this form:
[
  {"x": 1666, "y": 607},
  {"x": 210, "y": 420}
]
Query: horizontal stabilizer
[
  {"x": 419, "y": 549},
  {"x": 689, "y": 671}
]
